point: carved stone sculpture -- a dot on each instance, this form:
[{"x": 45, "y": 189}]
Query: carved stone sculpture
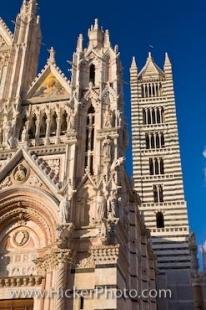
[
  {"x": 108, "y": 116},
  {"x": 64, "y": 210}
]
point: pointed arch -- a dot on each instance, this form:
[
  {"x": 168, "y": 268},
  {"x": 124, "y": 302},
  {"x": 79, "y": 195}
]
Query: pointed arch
[
  {"x": 64, "y": 124},
  {"x": 53, "y": 127},
  {"x": 43, "y": 125},
  {"x": 32, "y": 127}
]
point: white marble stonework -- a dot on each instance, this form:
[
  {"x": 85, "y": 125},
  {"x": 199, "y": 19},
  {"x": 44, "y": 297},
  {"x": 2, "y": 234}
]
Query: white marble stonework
[{"x": 69, "y": 215}]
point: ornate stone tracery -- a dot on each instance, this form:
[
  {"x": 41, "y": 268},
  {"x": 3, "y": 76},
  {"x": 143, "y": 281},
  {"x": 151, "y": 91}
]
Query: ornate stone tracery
[{"x": 65, "y": 201}]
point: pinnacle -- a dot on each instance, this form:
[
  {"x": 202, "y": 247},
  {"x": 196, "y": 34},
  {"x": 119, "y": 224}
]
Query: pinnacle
[
  {"x": 133, "y": 65},
  {"x": 167, "y": 60},
  {"x": 51, "y": 59}
]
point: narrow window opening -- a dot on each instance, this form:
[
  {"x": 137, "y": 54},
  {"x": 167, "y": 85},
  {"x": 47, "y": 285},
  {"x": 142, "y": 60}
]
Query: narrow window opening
[
  {"x": 160, "y": 220},
  {"x": 92, "y": 74}
]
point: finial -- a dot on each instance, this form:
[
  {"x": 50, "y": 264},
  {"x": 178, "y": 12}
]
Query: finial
[
  {"x": 149, "y": 55},
  {"x": 80, "y": 43},
  {"x": 51, "y": 59},
  {"x": 96, "y": 23},
  {"x": 106, "y": 38}
]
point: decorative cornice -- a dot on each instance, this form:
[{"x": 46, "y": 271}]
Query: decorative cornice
[
  {"x": 21, "y": 281},
  {"x": 105, "y": 254},
  {"x": 6, "y": 28}
]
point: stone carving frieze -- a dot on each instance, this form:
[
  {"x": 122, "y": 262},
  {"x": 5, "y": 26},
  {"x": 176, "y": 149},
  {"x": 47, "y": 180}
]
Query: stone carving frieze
[
  {"x": 85, "y": 263},
  {"x": 105, "y": 254}
]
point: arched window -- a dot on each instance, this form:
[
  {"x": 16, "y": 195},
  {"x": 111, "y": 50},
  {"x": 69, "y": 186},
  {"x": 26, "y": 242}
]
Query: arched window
[
  {"x": 160, "y": 220},
  {"x": 89, "y": 147},
  {"x": 149, "y": 117},
  {"x": 162, "y": 115},
  {"x": 158, "y": 115},
  {"x": 161, "y": 197},
  {"x": 162, "y": 140},
  {"x": 64, "y": 123},
  {"x": 153, "y": 116},
  {"x": 151, "y": 166},
  {"x": 161, "y": 166},
  {"x": 156, "y": 164},
  {"x": 144, "y": 117},
  {"x": 92, "y": 74},
  {"x": 147, "y": 140},
  {"x": 155, "y": 193},
  {"x": 53, "y": 128},
  {"x": 158, "y": 193},
  {"x": 32, "y": 128},
  {"x": 43, "y": 125},
  {"x": 152, "y": 141},
  {"x": 142, "y": 90},
  {"x": 157, "y": 139}
]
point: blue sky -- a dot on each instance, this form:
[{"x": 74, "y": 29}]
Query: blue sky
[{"x": 178, "y": 27}]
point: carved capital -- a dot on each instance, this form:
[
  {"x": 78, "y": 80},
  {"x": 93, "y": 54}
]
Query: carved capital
[{"x": 53, "y": 260}]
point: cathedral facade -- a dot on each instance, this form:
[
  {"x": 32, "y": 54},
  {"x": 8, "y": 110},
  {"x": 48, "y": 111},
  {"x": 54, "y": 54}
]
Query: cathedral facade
[{"x": 69, "y": 216}]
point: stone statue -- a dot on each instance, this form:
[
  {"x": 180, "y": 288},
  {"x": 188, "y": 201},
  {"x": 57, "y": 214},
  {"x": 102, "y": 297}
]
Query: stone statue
[
  {"x": 117, "y": 162},
  {"x": 107, "y": 148},
  {"x": 24, "y": 135},
  {"x": 70, "y": 119},
  {"x": 103, "y": 230},
  {"x": 20, "y": 174},
  {"x": 64, "y": 210},
  {"x": 118, "y": 118},
  {"x": 8, "y": 132},
  {"x": 111, "y": 205},
  {"x": 108, "y": 116},
  {"x": 100, "y": 207}
]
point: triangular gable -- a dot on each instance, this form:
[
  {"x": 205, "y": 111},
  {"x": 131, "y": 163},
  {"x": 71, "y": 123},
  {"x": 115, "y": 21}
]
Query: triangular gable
[
  {"x": 50, "y": 84},
  {"x": 88, "y": 179},
  {"x": 34, "y": 165},
  {"x": 92, "y": 53},
  {"x": 108, "y": 90},
  {"x": 6, "y": 36},
  {"x": 150, "y": 70},
  {"x": 92, "y": 94}
]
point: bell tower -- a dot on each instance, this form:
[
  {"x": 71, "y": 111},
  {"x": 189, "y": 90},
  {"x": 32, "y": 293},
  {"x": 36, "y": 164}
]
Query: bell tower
[{"x": 157, "y": 174}]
